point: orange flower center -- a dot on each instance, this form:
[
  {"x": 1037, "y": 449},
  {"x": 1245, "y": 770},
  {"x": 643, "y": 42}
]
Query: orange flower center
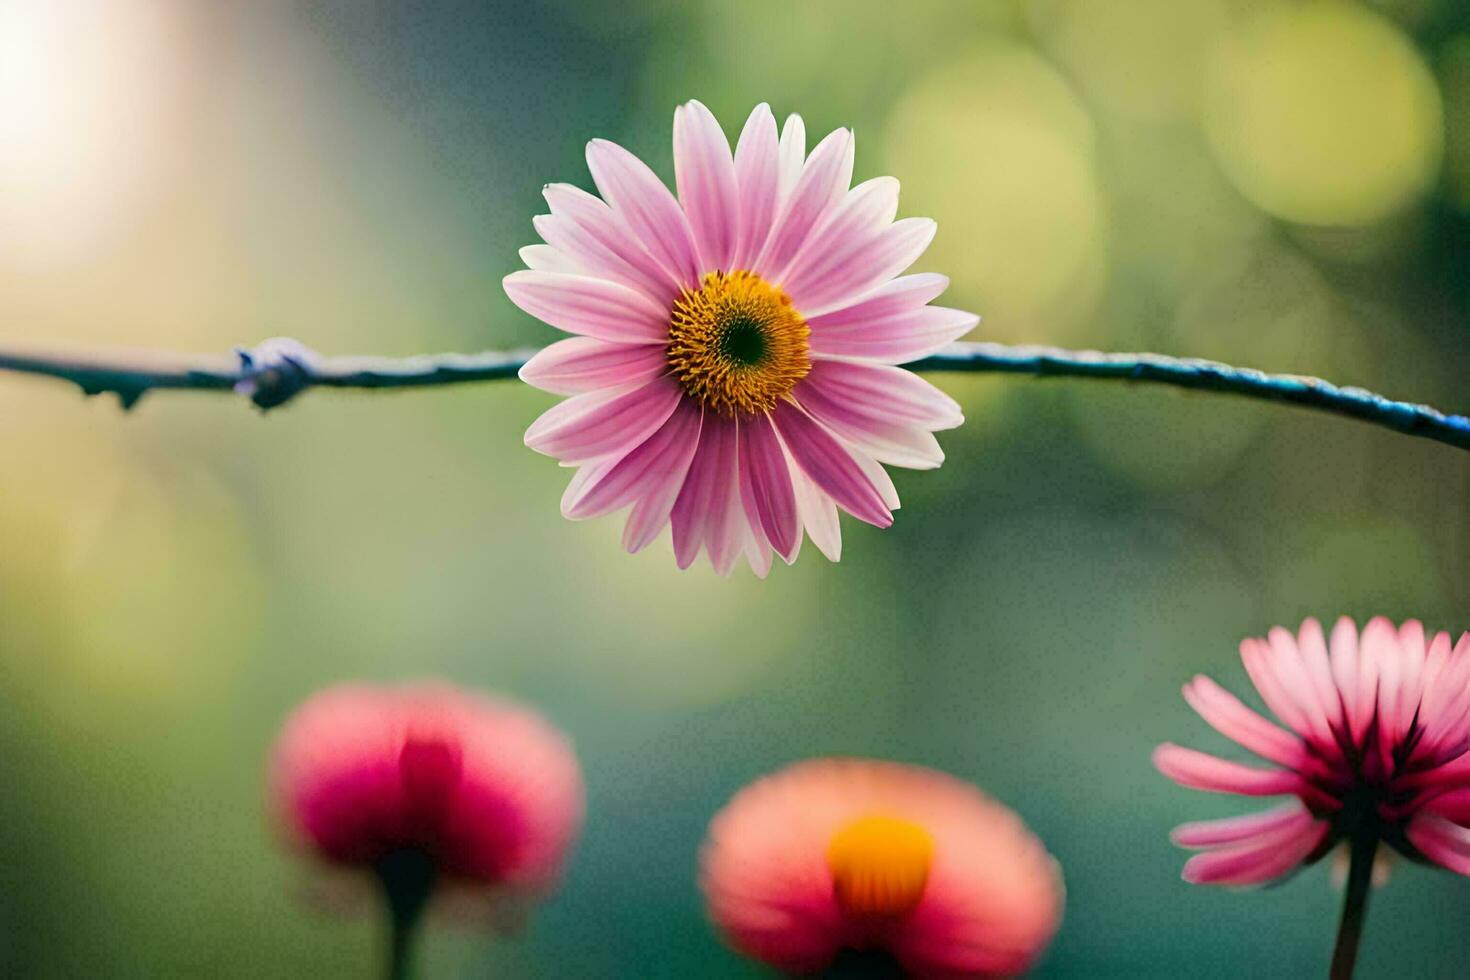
[
  {"x": 737, "y": 344},
  {"x": 880, "y": 866}
]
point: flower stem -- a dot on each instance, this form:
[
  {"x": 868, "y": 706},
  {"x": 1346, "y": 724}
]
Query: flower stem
[
  {"x": 1354, "y": 905},
  {"x": 400, "y": 950},
  {"x": 407, "y": 878}
]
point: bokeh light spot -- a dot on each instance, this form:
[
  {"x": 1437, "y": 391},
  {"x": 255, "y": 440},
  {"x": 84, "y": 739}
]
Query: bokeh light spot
[
  {"x": 997, "y": 148},
  {"x": 1454, "y": 77},
  {"x": 90, "y": 94},
  {"x": 1325, "y": 114},
  {"x": 1141, "y": 59}
]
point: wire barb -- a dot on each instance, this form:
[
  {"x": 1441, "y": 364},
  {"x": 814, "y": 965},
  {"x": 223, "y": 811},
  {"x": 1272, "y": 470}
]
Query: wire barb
[{"x": 277, "y": 371}]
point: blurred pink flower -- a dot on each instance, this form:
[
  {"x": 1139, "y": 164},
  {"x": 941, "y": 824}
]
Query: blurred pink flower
[
  {"x": 881, "y": 869},
  {"x": 733, "y": 370},
  {"x": 433, "y": 789},
  {"x": 1374, "y": 750}
]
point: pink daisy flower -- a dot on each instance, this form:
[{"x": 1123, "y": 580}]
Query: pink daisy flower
[
  {"x": 849, "y": 867},
  {"x": 1374, "y": 751},
  {"x": 732, "y": 370},
  {"x": 433, "y": 791}
]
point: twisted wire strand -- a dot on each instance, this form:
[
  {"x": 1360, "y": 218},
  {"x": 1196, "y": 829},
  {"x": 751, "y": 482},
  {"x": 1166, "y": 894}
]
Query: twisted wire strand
[
  {"x": 1198, "y": 374},
  {"x": 279, "y": 370}
]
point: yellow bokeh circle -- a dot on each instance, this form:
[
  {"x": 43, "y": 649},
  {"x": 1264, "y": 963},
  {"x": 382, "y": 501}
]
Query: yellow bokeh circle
[
  {"x": 997, "y": 148},
  {"x": 1324, "y": 113}
]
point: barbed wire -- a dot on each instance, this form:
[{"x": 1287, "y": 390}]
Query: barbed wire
[{"x": 279, "y": 370}]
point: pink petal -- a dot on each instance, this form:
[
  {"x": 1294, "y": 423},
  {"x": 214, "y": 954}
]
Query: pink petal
[
  {"x": 1453, "y": 806},
  {"x": 705, "y": 175},
  {"x": 800, "y": 538},
  {"x": 757, "y": 550},
  {"x": 1231, "y": 830},
  {"x": 1446, "y": 699},
  {"x": 707, "y": 509},
  {"x": 1198, "y": 770},
  {"x": 879, "y": 478},
  {"x": 1379, "y": 646},
  {"x": 1258, "y": 860},
  {"x": 585, "y": 228},
  {"x": 830, "y": 466},
  {"x": 1410, "y": 646},
  {"x": 586, "y": 477},
  {"x": 905, "y": 446},
  {"x": 1440, "y": 779},
  {"x": 823, "y": 181},
  {"x": 860, "y": 216},
  {"x": 647, "y": 519},
  {"x": 645, "y": 469},
  {"x": 860, "y": 265},
  {"x": 818, "y": 515},
  {"x": 593, "y": 307},
  {"x": 765, "y": 486},
  {"x": 858, "y": 424},
  {"x": 1315, "y": 661},
  {"x": 902, "y": 295},
  {"x": 1260, "y": 665},
  {"x": 603, "y": 423},
  {"x": 642, "y": 200},
  {"x": 791, "y": 157},
  {"x": 662, "y": 483},
  {"x": 892, "y": 323},
  {"x": 1354, "y": 677},
  {"x": 757, "y": 176},
  {"x": 581, "y": 364},
  {"x": 1291, "y": 672},
  {"x": 1438, "y": 664},
  {"x": 544, "y": 258},
  {"x": 1234, "y": 720},
  {"x": 903, "y": 337},
  {"x": 1415, "y": 647},
  {"x": 882, "y": 393},
  {"x": 896, "y": 445},
  {"x": 1446, "y": 844},
  {"x": 1400, "y": 666}
]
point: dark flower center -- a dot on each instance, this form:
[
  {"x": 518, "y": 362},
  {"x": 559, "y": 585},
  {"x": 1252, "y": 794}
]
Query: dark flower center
[
  {"x": 736, "y": 344},
  {"x": 744, "y": 342},
  {"x": 865, "y": 964}
]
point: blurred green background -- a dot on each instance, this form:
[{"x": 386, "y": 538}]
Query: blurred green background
[{"x": 1285, "y": 185}]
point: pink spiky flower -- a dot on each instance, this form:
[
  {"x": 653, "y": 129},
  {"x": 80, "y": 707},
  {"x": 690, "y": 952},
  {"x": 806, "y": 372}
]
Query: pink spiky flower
[
  {"x": 733, "y": 370},
  {"x": 1374, "y": 751},
  {"x": 857, "y": 868},
  {"x": 432, "y": 790}
]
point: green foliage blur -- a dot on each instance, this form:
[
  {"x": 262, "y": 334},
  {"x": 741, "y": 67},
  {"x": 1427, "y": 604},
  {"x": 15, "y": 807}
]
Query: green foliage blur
[{"x": 1284, "y": 185}]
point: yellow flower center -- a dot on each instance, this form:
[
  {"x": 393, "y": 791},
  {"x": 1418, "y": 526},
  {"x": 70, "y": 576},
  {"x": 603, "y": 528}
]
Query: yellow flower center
[
  {"x": 880, "y": 866},
  {"x": 737, "y": 344}
]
